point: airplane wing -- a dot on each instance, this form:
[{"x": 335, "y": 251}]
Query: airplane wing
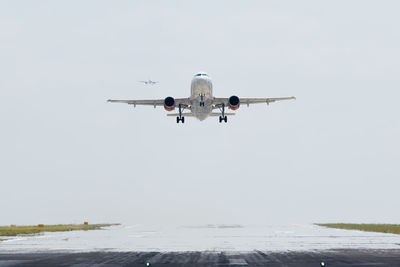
[
  {"x": 151, "y": 102},
  {"x": 247, "y": 101}
]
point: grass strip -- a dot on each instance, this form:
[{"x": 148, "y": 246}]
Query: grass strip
[
  {"x": 32, "y": 230},
  {"x": 380, "y": 228}
]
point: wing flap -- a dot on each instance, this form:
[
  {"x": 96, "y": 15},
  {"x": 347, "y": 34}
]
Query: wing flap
[{"x": 249, "y": 101}]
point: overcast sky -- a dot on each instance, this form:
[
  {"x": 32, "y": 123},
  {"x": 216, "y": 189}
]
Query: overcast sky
[{"x": 330, "y": 156}]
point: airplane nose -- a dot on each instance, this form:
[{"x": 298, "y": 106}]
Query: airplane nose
[{"x": 203, "y": 82}]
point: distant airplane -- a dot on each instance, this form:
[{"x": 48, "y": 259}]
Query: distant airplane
[
  {"x": 201, "y": 102},
  {"x": 149, "y": 82}
]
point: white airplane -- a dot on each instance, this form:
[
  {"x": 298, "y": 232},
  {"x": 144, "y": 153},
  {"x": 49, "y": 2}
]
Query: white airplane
[
  {"x": 201, "y": 102},
  {"x": 148, "y": 82}
]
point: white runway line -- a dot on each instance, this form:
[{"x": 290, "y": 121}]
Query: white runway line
[{"x": 237, "y": 262}]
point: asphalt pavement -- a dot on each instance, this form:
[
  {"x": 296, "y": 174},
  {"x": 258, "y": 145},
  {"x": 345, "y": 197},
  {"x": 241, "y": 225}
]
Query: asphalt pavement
[{"x": 341, "y": 257}]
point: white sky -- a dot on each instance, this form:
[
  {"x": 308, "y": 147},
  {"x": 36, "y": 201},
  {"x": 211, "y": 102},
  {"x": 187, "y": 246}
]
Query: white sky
[{"x": 68, "y": 156}]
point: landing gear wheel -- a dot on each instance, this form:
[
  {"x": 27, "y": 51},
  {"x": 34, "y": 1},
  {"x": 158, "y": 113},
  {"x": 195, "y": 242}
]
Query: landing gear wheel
[
  {"x": 222, "y": 117},
  {"x": 225, "y": 119},
  {"x": 180, "y": 117}
]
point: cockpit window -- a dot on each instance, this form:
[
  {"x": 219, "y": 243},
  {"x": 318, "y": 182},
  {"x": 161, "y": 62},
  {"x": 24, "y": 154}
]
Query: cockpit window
[{"x": 199, "y": 74}]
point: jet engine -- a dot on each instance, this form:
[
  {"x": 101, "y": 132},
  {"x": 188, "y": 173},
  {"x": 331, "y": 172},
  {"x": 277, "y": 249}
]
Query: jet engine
[
  {"x": 234, "y": 102},
  {"x": 169, "y": 103}
]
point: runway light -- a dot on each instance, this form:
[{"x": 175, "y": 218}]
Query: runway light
[{"x": 322, "y": 264}]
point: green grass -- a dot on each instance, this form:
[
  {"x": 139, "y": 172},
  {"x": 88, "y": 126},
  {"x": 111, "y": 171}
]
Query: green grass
[
  {"x": 381, "y": 228},
  {"x": 32, "y": 230}
]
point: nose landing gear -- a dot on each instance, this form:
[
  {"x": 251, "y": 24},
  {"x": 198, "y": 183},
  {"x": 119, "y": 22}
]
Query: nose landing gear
[{"x": 201, "y": 100}]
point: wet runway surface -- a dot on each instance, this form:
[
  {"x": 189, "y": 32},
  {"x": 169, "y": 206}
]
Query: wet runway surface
[
  {"x": 389, "y": 257},
  {"x": 216, "y": 238},
  {"x": 209, "y": 245}
]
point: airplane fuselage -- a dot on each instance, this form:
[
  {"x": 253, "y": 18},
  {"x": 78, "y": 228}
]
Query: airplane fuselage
[{"x": 201, "y": 96}]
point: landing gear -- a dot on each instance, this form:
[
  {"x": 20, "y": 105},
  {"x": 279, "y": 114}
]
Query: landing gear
[
  {"x": 223, "y": 117},
  {"x": 201, "y": 101},
  {"x": 180, "y": 118}
]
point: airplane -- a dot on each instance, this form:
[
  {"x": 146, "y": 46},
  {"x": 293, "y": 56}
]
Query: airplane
[
  {"x": 201, "y": 103},
  {"x": 148, "y": 82}
]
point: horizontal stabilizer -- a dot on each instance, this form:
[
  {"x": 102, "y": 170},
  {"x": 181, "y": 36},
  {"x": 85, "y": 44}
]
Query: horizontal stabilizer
[
  {"x": 214, "y": 114},
  {"x": 217, "y": 114},
  {"x": 183, "y": 114}
]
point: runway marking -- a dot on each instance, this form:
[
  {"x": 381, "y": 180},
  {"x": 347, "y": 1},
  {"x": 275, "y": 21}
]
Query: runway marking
[{"x": 237, "y": 262}]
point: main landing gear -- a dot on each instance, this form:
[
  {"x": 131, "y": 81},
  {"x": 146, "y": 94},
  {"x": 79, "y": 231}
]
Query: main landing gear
[
  {"x": 223, "y": 117},
  {"x": 180, "y": 118}
]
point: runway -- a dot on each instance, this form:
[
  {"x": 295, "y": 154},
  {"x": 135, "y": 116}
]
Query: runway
[
  {"x": 343, "y": 258},
  {"x": 204, "y": 245},
  {"x": 216, "y": 238}
]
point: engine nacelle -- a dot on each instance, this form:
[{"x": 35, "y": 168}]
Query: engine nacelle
[
  {"x": 169, "y": 103},
  {"x": 234, "y": 102}
]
